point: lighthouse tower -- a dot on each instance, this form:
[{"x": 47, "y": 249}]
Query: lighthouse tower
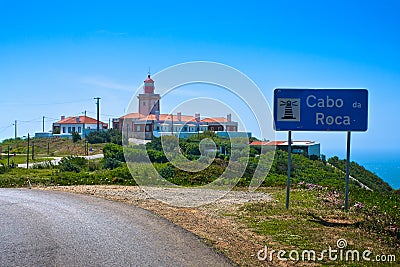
[{"x": 149, "y": 102}]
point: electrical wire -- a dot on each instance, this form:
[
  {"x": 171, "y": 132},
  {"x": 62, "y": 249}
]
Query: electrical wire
[{"x": 5, "y": 128}]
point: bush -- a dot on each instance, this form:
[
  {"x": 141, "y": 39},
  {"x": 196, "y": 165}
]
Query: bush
[
  {"x": 3, "y": 168},
  {"x": 111, "y": 163},
  {"x": 136, "y": 155},
  {"x": 76, "y": 137},
  {"x": 192, "y": 149},
  {"x": 115, "y": 136},
  {"x": 167, "y": 172},
  {"x": 95, "y": 165},
  {"x": 72, "y": 164},
  {"x": 110, "y": 136},
  {"x": 156, "y": 156},
  {"x": 98, "y": 137},
  {"x": 113, "y": 151}
]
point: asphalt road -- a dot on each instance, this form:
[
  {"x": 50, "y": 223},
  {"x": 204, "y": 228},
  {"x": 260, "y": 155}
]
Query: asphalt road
[{"x": 42, "y": 228}]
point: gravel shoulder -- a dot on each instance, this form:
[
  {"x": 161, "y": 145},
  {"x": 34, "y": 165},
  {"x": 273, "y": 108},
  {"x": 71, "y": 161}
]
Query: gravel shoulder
[{"x": 213, "y": 223}]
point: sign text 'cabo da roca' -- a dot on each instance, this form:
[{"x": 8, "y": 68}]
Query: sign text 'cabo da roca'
[{"x": 321, "y": 109}]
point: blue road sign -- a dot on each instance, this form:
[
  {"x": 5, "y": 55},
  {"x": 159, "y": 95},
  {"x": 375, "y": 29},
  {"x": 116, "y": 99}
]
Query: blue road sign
[{"x": 321, "y": 109}]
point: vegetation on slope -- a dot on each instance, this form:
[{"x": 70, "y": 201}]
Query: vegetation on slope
[{"x": 317, "y": 187}]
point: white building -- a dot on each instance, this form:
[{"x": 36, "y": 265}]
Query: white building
[{"x": 79, "y": 124}]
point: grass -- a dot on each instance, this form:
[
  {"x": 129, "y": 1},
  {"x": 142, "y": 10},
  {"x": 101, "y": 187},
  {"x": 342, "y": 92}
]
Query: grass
[
  {"x": 50, "y": 147},
  {"x": 19, "y": 177},
  {"x": 18, "y": 159},
  {"x": 314, "y": 221}
]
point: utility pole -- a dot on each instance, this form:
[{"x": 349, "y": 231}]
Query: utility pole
[
  {"x": 43, "y": 123},
  {"x": 33, "y": 150},
  {"x": 98, "y": 112},
  {"x": 15, "y": 129},
  {"x": 27, "y": 155},
  {"x": 8, "y": 156}
]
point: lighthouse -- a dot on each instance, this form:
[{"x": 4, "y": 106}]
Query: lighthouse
[{"x": 149, "y": 102}]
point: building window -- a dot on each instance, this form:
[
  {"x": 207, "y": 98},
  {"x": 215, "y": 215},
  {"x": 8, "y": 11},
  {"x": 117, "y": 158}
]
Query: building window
[
  {"x": 298, "y": 151},
  {"x": 79, "y": 129},
  {"x": 64, "y": 130},
  {"x": 138, "y": 128},
  {"x": 147, "y": 128},
  {"x": 69, "y": 129},
  {"x": 73, "y": 129}
]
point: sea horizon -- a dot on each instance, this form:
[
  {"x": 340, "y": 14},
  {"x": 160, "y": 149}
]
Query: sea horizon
[{"x": 384, "y": 163}]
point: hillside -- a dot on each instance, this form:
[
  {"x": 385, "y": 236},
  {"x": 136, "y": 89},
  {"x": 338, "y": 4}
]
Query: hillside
[
  {"x": 49, "y": 146},
  {"x": 316, "y": 215},
  {"x": 303, "y": 168},
  {"x": 368, "y": 178}
]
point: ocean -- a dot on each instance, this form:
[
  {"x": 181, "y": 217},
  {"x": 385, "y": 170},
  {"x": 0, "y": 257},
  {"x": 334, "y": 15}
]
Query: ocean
[
  {"x": 388, "y": 170},
  {"x": 384, "y": 164}
]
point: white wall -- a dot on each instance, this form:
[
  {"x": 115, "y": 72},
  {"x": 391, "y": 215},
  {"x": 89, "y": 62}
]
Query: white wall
[{"x": 77, "y": 126}]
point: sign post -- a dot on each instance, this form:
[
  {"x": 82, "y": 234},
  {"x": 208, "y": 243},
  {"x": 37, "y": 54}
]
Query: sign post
[
  {"x": 288, "y": 168},
  {"x": 346, "y": 201},
  {"x": 320, "y": 110}
]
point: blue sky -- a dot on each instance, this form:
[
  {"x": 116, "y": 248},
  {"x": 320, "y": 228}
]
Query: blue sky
[{"x": 55, "y": 57}]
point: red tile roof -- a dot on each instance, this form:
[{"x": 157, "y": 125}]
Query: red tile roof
[
  {"x": 162, "y": 117},
  {"x": 134, "y": 115},
  {"x": 266, "y": 143},
  {"x": 258, "y": 143},
  {"x": 275, "y": 143},
  {"x": 82, "y": 119},
  {"x": 218, "y": 119},
  {"x": 168, "y": 117}
]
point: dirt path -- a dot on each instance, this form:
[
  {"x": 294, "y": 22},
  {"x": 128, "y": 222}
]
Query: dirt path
[{"x": 214, "y": 222}]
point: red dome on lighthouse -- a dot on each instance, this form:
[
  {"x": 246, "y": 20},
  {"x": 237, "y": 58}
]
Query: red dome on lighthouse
[
  {"x": 148, "y": 85},
  {"x": 149, "y": 80}
]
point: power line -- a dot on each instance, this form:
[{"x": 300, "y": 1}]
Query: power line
[
  {"x": 32, "y": 120},
  {"x": 103, "y": 114},
  {"x": 5, "y": 128}
]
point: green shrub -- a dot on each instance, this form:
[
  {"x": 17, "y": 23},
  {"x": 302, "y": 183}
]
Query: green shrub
[
  {"x": 111, "y": 163},
  {"x": 98, "y": 137},
  {"x": 76, "y": 137},
  {"x": 136, "y": 154},
  {"x": 72, "y": 164},
  {"x": 95, "y": 165},
  {"x": 156, "y": 156},
  {"x": 275, "y": 180},
  {"x": 167, "y": 172},
  {"x": 114, "y": 151},
  {"x": 112, "y": 135}
]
